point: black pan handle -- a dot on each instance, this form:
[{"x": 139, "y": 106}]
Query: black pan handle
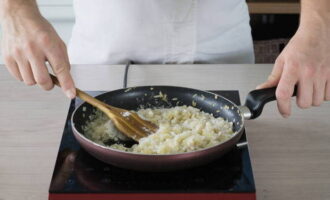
[{"x": 256, "y": 100}]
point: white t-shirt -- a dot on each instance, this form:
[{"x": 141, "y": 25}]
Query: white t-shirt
[{"x": 161, "y": 31}]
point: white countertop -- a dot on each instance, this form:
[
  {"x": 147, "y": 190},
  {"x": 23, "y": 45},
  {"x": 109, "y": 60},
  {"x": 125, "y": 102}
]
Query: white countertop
[{"x": 290, "y": 157}]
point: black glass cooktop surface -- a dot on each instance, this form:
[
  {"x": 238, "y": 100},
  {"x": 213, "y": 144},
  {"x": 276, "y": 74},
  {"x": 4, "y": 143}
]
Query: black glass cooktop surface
[{"x": 77, "y": 172}]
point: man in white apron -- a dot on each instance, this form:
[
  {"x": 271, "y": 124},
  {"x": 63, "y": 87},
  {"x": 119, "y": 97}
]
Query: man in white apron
[
  {"x": 152, "y": 31},
  {"x": 169, "y": 31}
]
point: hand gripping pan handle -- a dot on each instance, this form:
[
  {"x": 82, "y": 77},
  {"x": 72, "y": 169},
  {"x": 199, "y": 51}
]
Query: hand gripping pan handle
[{"x": 256, "y": 100}]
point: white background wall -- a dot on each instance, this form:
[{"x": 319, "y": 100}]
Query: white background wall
[{"x": 60, "y": 14}]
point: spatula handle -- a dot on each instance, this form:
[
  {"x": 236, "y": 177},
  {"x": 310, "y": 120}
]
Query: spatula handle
[
  {"x": 84, "y": 96},
  {"x": 55, "y": 80}
]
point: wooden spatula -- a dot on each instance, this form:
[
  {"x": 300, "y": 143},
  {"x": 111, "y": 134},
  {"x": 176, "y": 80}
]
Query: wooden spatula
[{"x": 127, "y": 122}]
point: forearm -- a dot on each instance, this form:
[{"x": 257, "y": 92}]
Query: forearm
[
  {"x": 28, "y": 41},
  {"x": 315, "y": 14},
  {"x": 12, "y": 8},
  {"x": 305, "y": 61}
]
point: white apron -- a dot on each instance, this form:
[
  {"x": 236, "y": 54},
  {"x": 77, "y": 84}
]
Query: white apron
[{"x": 161, "y": 31}]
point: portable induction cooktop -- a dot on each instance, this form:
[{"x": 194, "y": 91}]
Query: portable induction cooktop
[{"x": 79, "y": 176}]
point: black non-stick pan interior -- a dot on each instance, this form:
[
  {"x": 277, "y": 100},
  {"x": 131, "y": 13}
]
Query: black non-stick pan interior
[{"x": 163, "y": 97}]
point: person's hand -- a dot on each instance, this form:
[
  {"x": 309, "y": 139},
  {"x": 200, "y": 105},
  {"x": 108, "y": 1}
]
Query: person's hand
[
  {"x": 305, "y": 61},
  {"x": 29, "y": 41}
]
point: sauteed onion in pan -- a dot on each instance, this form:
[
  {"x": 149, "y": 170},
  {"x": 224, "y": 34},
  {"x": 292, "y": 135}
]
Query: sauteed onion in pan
[{"x": 181, "y": 129}]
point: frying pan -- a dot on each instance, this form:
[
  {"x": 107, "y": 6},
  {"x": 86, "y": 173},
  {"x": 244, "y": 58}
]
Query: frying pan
[{"x": 144, "y": 97}]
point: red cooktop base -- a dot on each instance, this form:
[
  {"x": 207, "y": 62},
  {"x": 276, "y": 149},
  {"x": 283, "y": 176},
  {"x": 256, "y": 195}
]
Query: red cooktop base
[{"x": 158, "y": 196}]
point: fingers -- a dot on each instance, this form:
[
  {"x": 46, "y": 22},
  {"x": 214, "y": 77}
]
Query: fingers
[
  {"x": 285, "y": 89},
  {"x": 275, "y": 75},
  {"x": 27, "y": 63},
  {"x": 25, "y": 70},
  {"x": 327, "y": 90},
  {"x": 313, "y": 87},
  {"x": 29, "y": 48},
  {"x": 318, "y": 92},
  {"x": 12, "y": 67},
  {"x": 305, "y": 92},
  {"x": 60, "y": 64},
  {"x": 39, "y": 69},
  {"x": 31, "y": 66},
  {"x": 41, "y": 74}
]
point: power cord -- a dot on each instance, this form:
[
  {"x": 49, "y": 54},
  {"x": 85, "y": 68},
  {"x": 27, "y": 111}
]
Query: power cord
[{"x": 126, "y": 73}]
